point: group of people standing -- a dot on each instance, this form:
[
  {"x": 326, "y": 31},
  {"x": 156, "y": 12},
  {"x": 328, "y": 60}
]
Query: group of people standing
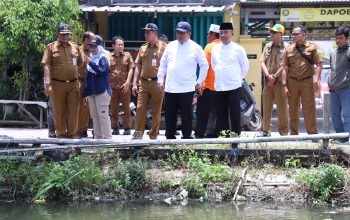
[
  {"x": 292, "y": 74},
  {"x": 175, "y": 71}
]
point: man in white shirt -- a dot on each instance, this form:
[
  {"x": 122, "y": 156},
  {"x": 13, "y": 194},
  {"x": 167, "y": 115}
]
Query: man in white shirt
[
  {"x": 178, "y": 68},
  {"x": 230, "y": 64}
]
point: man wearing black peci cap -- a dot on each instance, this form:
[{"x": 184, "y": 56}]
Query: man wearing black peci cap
[
  {"x": 147, "y": 63},
  {"x": 61, "y": 60},
  {"x": 230, "y": 63}
]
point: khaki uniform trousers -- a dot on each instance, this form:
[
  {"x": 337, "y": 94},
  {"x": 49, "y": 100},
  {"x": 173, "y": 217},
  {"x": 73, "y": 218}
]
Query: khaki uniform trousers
[
  {"x": 302, "y": 90},
  {"x": 273, "y": 94},
  {"x": 65, "y": 104},
  {"x": 84, "y": 113},
  {"x": 99, "y": 112},
  {"x": 149, "y": 94},
  {"x": 119, "y": 96}
]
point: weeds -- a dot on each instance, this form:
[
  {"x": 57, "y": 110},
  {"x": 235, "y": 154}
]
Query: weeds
[
  {"x": 77, "y": 175},
  {"x": 321, "y": 181},
  {"x": 195, "y": 186},
  {"x": 131, "y": 175},
  {"x": 13, "y": 174},
  {"x": 207, "y": 171},
  {"x": 292, "y": 163},
  {"x": 165, "y": 184}
]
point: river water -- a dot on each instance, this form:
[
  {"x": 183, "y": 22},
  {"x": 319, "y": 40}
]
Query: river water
[{"x": 153, "y": 210}]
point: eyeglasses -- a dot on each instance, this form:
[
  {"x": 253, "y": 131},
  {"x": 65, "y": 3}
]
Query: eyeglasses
[{"x": 295, "y": 34}]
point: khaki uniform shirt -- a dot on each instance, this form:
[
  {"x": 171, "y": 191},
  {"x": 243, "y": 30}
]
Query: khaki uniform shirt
[
  {"x": 299, "y": 67},
  {"x": 145, "y": 56},
  {"x": 119, "y": 68},
  {"x": 272, "y": 56},
  {"x": 83, "y": 69},
  {"x": 64, "y": 60}
]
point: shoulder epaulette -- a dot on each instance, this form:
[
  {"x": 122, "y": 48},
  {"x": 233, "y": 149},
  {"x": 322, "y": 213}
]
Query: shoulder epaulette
[{"x": 50, "y": 43}]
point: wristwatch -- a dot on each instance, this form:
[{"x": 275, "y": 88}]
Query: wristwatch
[{"x": 283, "y": 85}]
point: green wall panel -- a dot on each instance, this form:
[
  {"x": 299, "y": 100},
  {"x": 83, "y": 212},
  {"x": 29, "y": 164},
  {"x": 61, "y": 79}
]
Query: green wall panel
[{"x": 128, "y": 25}]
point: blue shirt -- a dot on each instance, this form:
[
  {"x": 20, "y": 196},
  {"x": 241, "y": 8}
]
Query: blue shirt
[{"x": 98, "y": 82}]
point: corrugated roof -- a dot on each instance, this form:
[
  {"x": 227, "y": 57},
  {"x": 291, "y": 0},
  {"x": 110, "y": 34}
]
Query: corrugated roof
[
  {"x": 291, "y": 1},
  {"x": 159, "y": 9},
  {"x": 295, "y": 2}
]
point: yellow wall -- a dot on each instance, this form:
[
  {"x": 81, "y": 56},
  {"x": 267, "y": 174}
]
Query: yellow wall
[
  {"x": 102, "y": 22},
  {"x": 251, "y": 46},
  {"x": 235, "y": 19},
  {"x": 254, "y": 46}
]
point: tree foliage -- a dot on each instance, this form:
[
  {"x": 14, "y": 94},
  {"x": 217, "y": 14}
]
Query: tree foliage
[{"x": 26, "y": 26}]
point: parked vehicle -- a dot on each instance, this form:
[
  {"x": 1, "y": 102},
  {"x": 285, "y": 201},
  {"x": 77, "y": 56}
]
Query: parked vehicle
[{"x": 251, "y": 119}]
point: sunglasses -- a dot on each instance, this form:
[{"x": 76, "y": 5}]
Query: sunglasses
[{"x": 295, "y": 34}]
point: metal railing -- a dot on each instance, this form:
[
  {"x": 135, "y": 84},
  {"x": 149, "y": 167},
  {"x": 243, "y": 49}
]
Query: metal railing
[{"x": 6, "y": 142}]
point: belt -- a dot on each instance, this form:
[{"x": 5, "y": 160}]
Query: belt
[
  {"x": 65, "y": 81},
  {"x": 299, "y": 79},
  {"x": 81, "y": 79},
  {"x": 149, "y": 79}
]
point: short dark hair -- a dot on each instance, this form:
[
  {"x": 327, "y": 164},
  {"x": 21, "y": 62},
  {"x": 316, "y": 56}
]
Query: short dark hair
[
  {"x": 302, "y": 28},
  {"x": 217, "y": 35},
  {"x": 163, "y": 37},
  {"x": 86, "y": 34},
  {"x": 115, "y": 38},
  {"x": 342, "y": 30}
]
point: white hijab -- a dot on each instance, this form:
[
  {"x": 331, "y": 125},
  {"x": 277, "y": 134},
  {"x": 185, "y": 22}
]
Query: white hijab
[{"x": 95, "y": 58}]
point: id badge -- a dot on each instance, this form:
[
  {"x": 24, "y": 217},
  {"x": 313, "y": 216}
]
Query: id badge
[
  {"x": 74, "y": 61},
  {"x": 154, "y": 62}
]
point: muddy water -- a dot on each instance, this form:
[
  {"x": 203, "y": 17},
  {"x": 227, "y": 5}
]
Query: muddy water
[{"x": 151, "y": 210}]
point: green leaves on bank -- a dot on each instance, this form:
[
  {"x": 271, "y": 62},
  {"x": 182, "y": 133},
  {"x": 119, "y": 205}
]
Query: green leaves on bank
[
  {"x": 323, "y": 180},
  {"x": 77, "y": 178}
]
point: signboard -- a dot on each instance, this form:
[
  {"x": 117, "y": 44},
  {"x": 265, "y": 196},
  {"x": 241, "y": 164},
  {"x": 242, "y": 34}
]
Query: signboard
[
  {"x": 252, "y": 56},
  {"x": 314, "y": 14}
]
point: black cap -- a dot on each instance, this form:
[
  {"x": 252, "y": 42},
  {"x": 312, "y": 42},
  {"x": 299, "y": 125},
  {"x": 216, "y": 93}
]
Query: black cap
[
  {"x": 226, "y": 26},
  {"x": 64, "y": 29},
  {"x": 183, "y": 26},
  {"x": 151, "y": 27},
  {"x": 97, "y": 41}
]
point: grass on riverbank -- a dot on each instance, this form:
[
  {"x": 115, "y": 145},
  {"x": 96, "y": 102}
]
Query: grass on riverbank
[{"x": 89, "y": 177}]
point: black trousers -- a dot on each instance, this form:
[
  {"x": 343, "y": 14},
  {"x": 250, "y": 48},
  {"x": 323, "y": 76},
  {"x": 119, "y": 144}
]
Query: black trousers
[
  {"x": 205, "y": 104},
  {"x": 173, "y": 102},
  {"x": 228, "y": 104}
]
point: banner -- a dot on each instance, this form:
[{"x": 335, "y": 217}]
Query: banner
[{"x": 314, "y": 14}]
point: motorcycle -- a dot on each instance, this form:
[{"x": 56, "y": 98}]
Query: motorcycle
[{"x": 251, "y": 119}]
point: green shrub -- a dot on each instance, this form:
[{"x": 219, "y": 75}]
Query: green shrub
[
  {"x": 131, "y": 175},
  {"x": 165, "y": 184},
  {"x": 73, "y": 177},
  {"x": 292, "y": 163},
  {"x": 195, "y": 186},
  {"x": 14, "y": 173},
  {"x": 177, "y": 159},
  {"x": 322, "y": 180},
  {"x": 208, "y": 171}
]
